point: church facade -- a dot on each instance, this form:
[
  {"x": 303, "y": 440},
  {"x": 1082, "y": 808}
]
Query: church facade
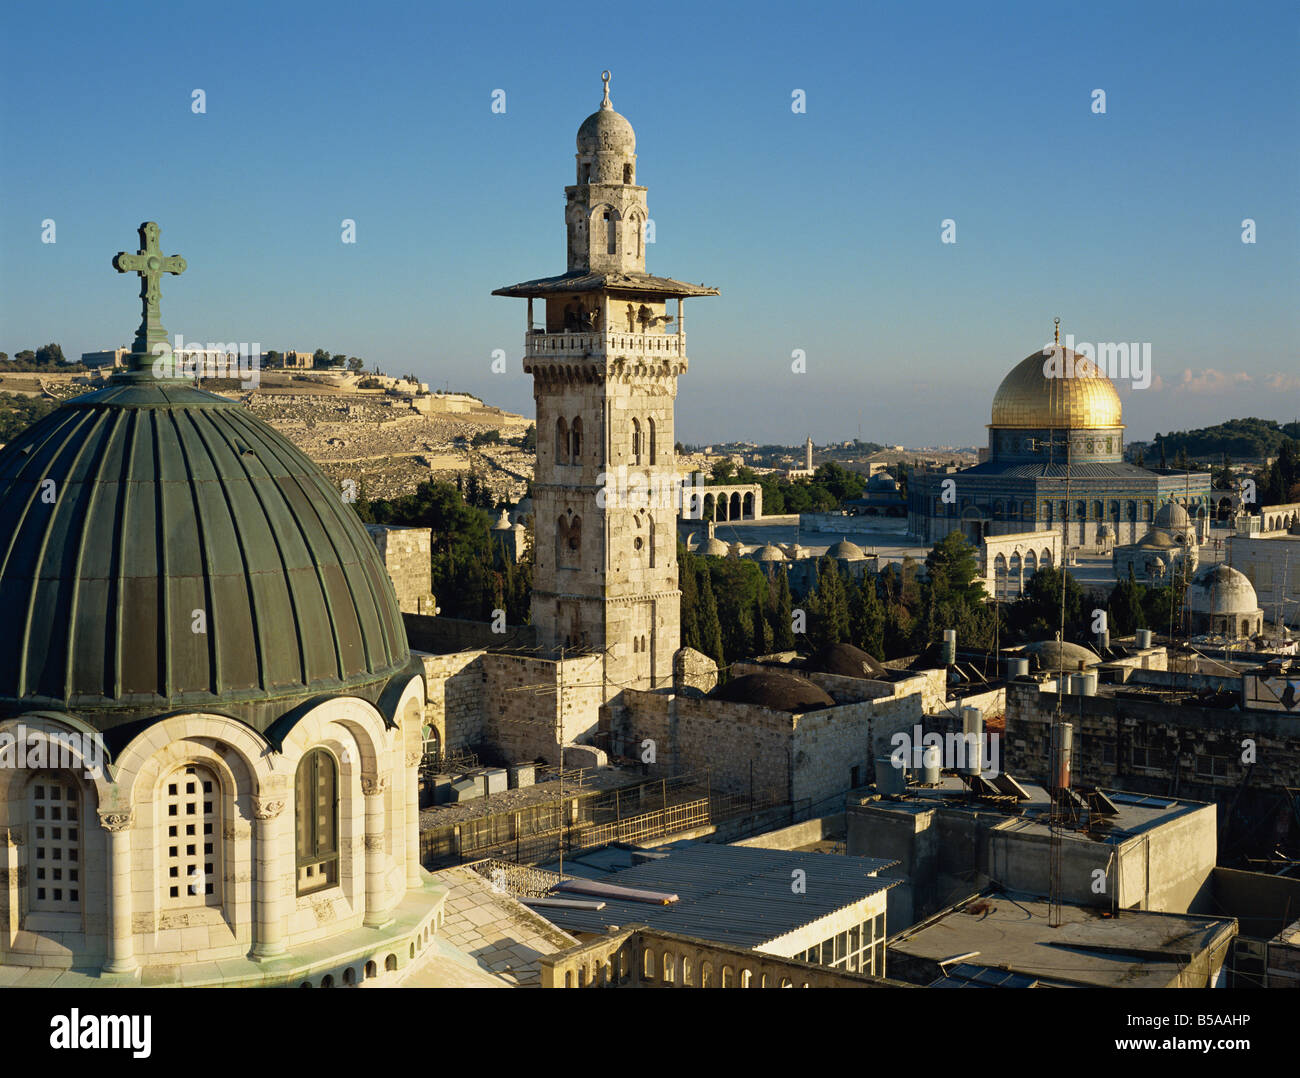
[{"x": 1055, "y": 462}]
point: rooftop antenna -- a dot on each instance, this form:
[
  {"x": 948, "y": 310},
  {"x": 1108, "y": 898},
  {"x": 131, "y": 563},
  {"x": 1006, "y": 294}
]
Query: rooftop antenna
[{"x": 1056, "y": 820}]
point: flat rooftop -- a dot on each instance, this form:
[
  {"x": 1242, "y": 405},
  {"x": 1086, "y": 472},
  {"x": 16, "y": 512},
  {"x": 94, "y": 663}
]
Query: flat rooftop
[
  {"x": 1137, "y": 812},
  {"x": 739, "y": 895},
  {"x": 1009, "y": 934}
]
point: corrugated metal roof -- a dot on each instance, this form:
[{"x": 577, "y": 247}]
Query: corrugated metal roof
[{"x": 734, "y": 894}]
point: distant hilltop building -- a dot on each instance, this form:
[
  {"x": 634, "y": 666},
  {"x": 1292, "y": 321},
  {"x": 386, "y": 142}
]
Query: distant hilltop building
[
  {"x": 807, "y": 471},
  {"x": 1055, "y": 461}
]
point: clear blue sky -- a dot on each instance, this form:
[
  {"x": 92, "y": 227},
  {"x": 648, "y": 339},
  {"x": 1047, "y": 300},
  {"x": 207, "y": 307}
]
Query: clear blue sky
[{"x": 822, "y": 230}]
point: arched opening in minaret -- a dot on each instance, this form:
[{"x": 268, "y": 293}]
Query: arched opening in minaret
[
  {"x": 611, "y": 232},
  {"x": 561, "y": 441},
  {"x": 575, "y": 441},
  {"x": 636, "y": 441},
  {"x": 650, "y": 541},
  {"x": 628, "y": 174},
  {"x": 650, "y": 435},
  {"x": 568, "y": 542}
]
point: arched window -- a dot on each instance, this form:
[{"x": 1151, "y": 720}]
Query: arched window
[
  {"x": 650, "y": 541},
  {"x": 575, "y": 441},
  {"x": 54, "y": 812},
  {"x": 191, "y": 817},
  {"x": 611, "y": 232},
  {"x": 636, "y": 441},
  {"x": 568, "y": 542},
  {"x": 650, "y": 434},
  {"x": 318, "y": 821},
  {"x": 561, "y": 441},
  {"x": 627, "y": 174}
]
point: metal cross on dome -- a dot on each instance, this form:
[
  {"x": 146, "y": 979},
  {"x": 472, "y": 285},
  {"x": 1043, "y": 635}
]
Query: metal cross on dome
[{"x": 150, "y": 263}]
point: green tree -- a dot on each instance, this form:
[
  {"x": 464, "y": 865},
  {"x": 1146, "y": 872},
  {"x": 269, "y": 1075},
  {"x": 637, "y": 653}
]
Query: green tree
[
  {"x": 781, "y": 612},
  {"x": 829, "y": 606},
  {"x": 867, "y": 617},
  {"x": 723, "y": 470},
  {"x": 356, "y": 363},
  {"x": 320, "y": 358},
  {"x": 710, "y": 626},
  {"x": 763, "y": 636},
  {"x": 1036, "y": 615},
  {"x": 50, "y": 356},
  {"x": 690, "y": 609},
  {"x": 1124, "y": 608}
]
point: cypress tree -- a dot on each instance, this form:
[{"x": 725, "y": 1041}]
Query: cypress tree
[
  {"x": 710, "y": 626},
  {"x": 690, "y": 599},
  {"x": 782, "y": 633},
  {"x": 762, "y": 630},
  {"x": 831, "y": 605},
  {"x": 867, "y": 617}
]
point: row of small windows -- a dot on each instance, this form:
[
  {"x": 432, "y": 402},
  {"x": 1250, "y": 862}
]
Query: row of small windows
[
  {"x": 609, "y": 220},
  {"x": 191, "y": 830},
  {"x": 1048, "y": 512}
]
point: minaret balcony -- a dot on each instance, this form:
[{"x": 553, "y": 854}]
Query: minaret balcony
[{"x": 578, "y": 345}]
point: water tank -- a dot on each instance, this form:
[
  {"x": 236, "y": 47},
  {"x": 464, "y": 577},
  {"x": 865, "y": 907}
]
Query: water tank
[
  {"x": 972, "y": 728},
  {"x": 889, "y": 779},
  {"x": 948, "y": 650},
  {"x": 1088, "y": 686},
  {"x": 1073, "y": 684},
  {"x": 1062, "y": 748},
  {"x": 1103, "y": 640},
  {"x": 1144, "y": 638},
  {"x": 931, "y": 765},
  {"x": 1017, "y": 668}
]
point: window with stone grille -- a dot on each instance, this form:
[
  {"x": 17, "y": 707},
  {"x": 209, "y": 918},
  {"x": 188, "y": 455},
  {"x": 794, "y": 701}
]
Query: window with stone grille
[
  {"x": 191, "y": 820},
  {"x": 55, "y": 863},
  {"x": 317, "y": 822}
]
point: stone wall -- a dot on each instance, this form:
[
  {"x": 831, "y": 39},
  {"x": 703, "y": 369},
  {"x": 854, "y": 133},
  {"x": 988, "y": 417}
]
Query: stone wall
[
  {"x": 525, "y": 698},
  {"x": 750, "y": 749},
  {"x": 407, "y": 557},
  {"x": 454, "y": 704},
  {"x": 639, "y": 957}
]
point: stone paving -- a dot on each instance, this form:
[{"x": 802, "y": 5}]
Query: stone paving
[{"x": 502, "y": 936}]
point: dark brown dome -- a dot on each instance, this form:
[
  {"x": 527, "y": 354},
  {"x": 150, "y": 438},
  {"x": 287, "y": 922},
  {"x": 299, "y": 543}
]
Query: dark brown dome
[
  {"x": 780, "y": 692},
  {"x": 846, "y": 661}
]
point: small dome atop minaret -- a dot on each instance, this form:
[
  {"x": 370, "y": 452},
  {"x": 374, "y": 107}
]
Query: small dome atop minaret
[{"x": 606, "y": 131}]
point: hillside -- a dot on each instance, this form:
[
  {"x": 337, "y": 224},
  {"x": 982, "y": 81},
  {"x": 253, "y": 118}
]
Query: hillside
[{"x": 1241, "y": 439}]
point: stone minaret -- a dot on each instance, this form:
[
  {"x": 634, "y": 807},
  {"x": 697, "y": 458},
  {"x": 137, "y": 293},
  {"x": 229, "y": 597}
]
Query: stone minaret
[
  {"x": 807, "y": 454},
  {"x": 605, "y": 356}
]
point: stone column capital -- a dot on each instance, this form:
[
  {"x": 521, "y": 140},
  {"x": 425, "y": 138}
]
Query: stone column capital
[
  {"x": 267, "y": 808},
  {"x": 414, "y": 756},
  {"x": 116, "y": 820},
  {"x": 374, "y": 786}
]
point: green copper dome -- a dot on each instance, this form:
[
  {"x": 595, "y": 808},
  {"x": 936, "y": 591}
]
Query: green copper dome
[{"x": 162, "y": 549}]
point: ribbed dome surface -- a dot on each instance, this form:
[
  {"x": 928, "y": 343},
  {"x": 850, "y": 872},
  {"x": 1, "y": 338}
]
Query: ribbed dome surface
[
  {"x": 1031, "y": 400},
  {"x": 169, "y": 507}
]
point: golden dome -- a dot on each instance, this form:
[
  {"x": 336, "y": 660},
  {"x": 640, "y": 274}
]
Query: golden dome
[{"x": 1037, "y": 396}]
